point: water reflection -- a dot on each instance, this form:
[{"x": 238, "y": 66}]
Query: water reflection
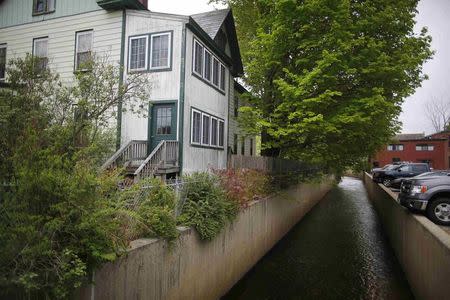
[{"x": 338, "y": 251}]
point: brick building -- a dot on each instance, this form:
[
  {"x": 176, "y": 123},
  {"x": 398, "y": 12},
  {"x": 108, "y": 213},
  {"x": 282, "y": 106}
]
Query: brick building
[{"x": 432, "y": 149}]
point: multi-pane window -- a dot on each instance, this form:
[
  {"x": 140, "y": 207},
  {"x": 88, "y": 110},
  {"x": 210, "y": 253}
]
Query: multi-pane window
[
  {"x": 221, "y": 133},
  {"x": 40, "y": 53},
  {"x": 198, "y": 58},
  {"x": 214, "y": 128},
  {"x": 83, "y": 49},
  {"x": 196, "y": 127},
  {"x": 160, "y": 50},
  {"x": 205, "y": 129},
  {"x": 208, "y": 59},
  {"x": 164, "y": 120},
  {"x": 2, "y": 61},
  {"x": 208, "y": 66},
  {"x": 395, "y": 147},
  {"x": 424, "y": 147},
  {"x": 215, "y": 74},
  {"x": 43, "y": 6},
  {"x": 138, "y": 53},
  {"x": 222, "y": 77}
]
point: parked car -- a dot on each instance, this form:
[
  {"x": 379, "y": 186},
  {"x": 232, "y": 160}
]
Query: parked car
[
  {"x": 428, "y": 194},
  {"x": 396, "y": 183},
  {"x": 401, "y": 171}
]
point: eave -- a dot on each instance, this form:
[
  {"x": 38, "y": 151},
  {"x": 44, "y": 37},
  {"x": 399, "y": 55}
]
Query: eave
[{"x": 120, "y": 4}]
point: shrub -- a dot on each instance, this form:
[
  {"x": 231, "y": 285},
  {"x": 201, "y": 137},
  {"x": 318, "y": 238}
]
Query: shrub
[
  {"x": 206, "y": 206},
  {"x": 244, "y": 185}
]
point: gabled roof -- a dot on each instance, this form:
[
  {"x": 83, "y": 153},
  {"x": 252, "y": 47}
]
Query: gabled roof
[
  {"x": 211, "y": 21},
  {"x": 210, "y": 24}
]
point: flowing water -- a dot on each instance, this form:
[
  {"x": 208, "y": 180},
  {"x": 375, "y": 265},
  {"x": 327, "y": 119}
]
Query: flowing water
[{"x": 338, "y": 251}]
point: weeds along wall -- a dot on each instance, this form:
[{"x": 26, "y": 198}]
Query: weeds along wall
[{"x": 192, "y": 268}]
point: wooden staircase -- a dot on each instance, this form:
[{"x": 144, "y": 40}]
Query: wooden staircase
[{"x": 137, "y": 165}]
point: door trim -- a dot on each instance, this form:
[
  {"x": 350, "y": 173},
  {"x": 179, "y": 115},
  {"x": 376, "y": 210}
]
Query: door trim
[{"x": 150, "y": 123}]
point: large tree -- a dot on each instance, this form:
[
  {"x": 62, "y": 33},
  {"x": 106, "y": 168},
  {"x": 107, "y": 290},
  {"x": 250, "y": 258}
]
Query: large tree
[{"x": 329, "y": 75}]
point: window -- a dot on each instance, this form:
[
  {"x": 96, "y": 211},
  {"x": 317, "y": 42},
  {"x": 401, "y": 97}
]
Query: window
[
  {"x": 198, "y": 58},
  {"x": 221, "y": 133},
  {"x": 2, "y": 62},
  {"x": 160, "y": 51},
  {"x": 196, "y": 127},
  {"x": 164, "y": 120},
  {"x": 395, "y": 147},
  {"x": 405, "y": 169},
  {"x": 214, "y": 128},
  {"x": 424, "y": 148},
  {"x": 205, "y": 129},
  {"x": 236, "y": 106},
  {"x": 138, "y": 53},
  {"x": 208, "y": 59},
  {"x": 420, "y": 168},
  {"x": 251, "y": 147},
  {"x": 83, "y": 49},
  {"x": 43, "y": 6},
  {"x": 235, "y": 146},
  {"x": 40, "y": 53},
  {"x": 215, "y": 72},
  {"x": 222, "y": 77},
  {"x": 242, "y": 145}
]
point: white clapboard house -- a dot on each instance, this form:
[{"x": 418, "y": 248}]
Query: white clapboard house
[{"x": 192, "y": 62}]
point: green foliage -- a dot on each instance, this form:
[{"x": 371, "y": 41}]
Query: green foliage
[
  {"x": 59, "y": 218},
  {"x": 206, "y": 207},
  {"x": 329, "y": 76}
]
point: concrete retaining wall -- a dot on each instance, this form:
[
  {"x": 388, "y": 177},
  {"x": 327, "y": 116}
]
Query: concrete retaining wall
[
  {"x": 422, "y": 247},
  {"x": 195, "y": 269}
]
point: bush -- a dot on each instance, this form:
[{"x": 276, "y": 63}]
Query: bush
[
  {"x": 244, "y": 185},
  {"x": 206, "y": 206}
]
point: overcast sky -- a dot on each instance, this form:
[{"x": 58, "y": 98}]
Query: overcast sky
[{"x": 434, "y": 14}]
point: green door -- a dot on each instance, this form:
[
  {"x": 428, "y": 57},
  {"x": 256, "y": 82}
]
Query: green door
[{"x": 163, "y": 120}]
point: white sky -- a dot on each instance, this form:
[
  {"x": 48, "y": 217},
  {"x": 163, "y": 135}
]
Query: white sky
[{"x": 434, "y": 14}]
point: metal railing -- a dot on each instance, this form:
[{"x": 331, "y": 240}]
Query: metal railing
[
  {"x": 133, "y": 150},
  {"x": 165, "y": 153}
]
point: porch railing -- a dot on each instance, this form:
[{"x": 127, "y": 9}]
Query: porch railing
[
  {"x": 133, "y": 150},
  {"x": 164, "y": 154}
]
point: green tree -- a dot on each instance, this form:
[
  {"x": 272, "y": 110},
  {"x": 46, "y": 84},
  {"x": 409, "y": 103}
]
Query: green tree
[
  {"x": 329, "y": 75},
  {"x": 58, "y": 217}
]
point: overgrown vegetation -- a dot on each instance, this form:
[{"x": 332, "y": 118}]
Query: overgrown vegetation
[
  {"x": 59, "y": 218},
  {"x": 206, "y": 206}
]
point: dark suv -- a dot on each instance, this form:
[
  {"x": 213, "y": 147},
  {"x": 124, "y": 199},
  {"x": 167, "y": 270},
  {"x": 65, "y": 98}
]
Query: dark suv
[
  {"x": 400, "y": 171},
  {"x": 428, "y": 194}
]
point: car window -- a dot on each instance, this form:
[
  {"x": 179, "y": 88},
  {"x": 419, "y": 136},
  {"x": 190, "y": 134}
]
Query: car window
[
  {"x": 405, "y": 169},
  {"x": 420, "y": 168}
]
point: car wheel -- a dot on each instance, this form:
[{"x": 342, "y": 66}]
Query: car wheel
[
  {"x": 439, "y": 211},
  {"x": 387, "y": 182}
]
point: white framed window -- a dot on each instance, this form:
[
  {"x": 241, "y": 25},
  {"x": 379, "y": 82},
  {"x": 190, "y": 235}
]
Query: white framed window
[
  {"x": 222, "y": 77},
  {"x": 40, "y": 53},
  {"x": 196, "y": 127},
  {"x": 43, "y": 6},
  {"x": 198, "y": 58},
  {"x": 160, "y": 50},
  {"x": 424, "y": 147},
  {"x": 214, "y": 131},
  {"x": 206, "y": 129},
  {"x": 208, "y": 66},
  {"x": 138, "y": 53},
  {"x": 215, "y": 72},
  {"x": 2, "y": 61},
  {"x": 84, "y": 42},
  {"x": 395, "y": 147},
  {"x": 221, "y": 133}
]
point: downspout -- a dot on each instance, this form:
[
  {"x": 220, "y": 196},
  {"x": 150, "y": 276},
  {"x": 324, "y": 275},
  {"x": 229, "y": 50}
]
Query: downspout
[
  {"x": 122, "y": 64},
  {"x": 181, "y": 101}
]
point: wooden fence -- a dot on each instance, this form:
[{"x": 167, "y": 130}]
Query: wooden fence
[{"x": 269, "y": 164}]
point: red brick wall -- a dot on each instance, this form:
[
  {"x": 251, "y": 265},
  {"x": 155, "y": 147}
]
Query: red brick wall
[{"x": 439, "y": 157}]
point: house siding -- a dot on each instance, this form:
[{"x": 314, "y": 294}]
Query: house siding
[
  {"x": 165, "y": 85},
  {"x": 107, "y": 27},
  {"x": 202, "y": 96},
  {"x": 16, "y": 12}
]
